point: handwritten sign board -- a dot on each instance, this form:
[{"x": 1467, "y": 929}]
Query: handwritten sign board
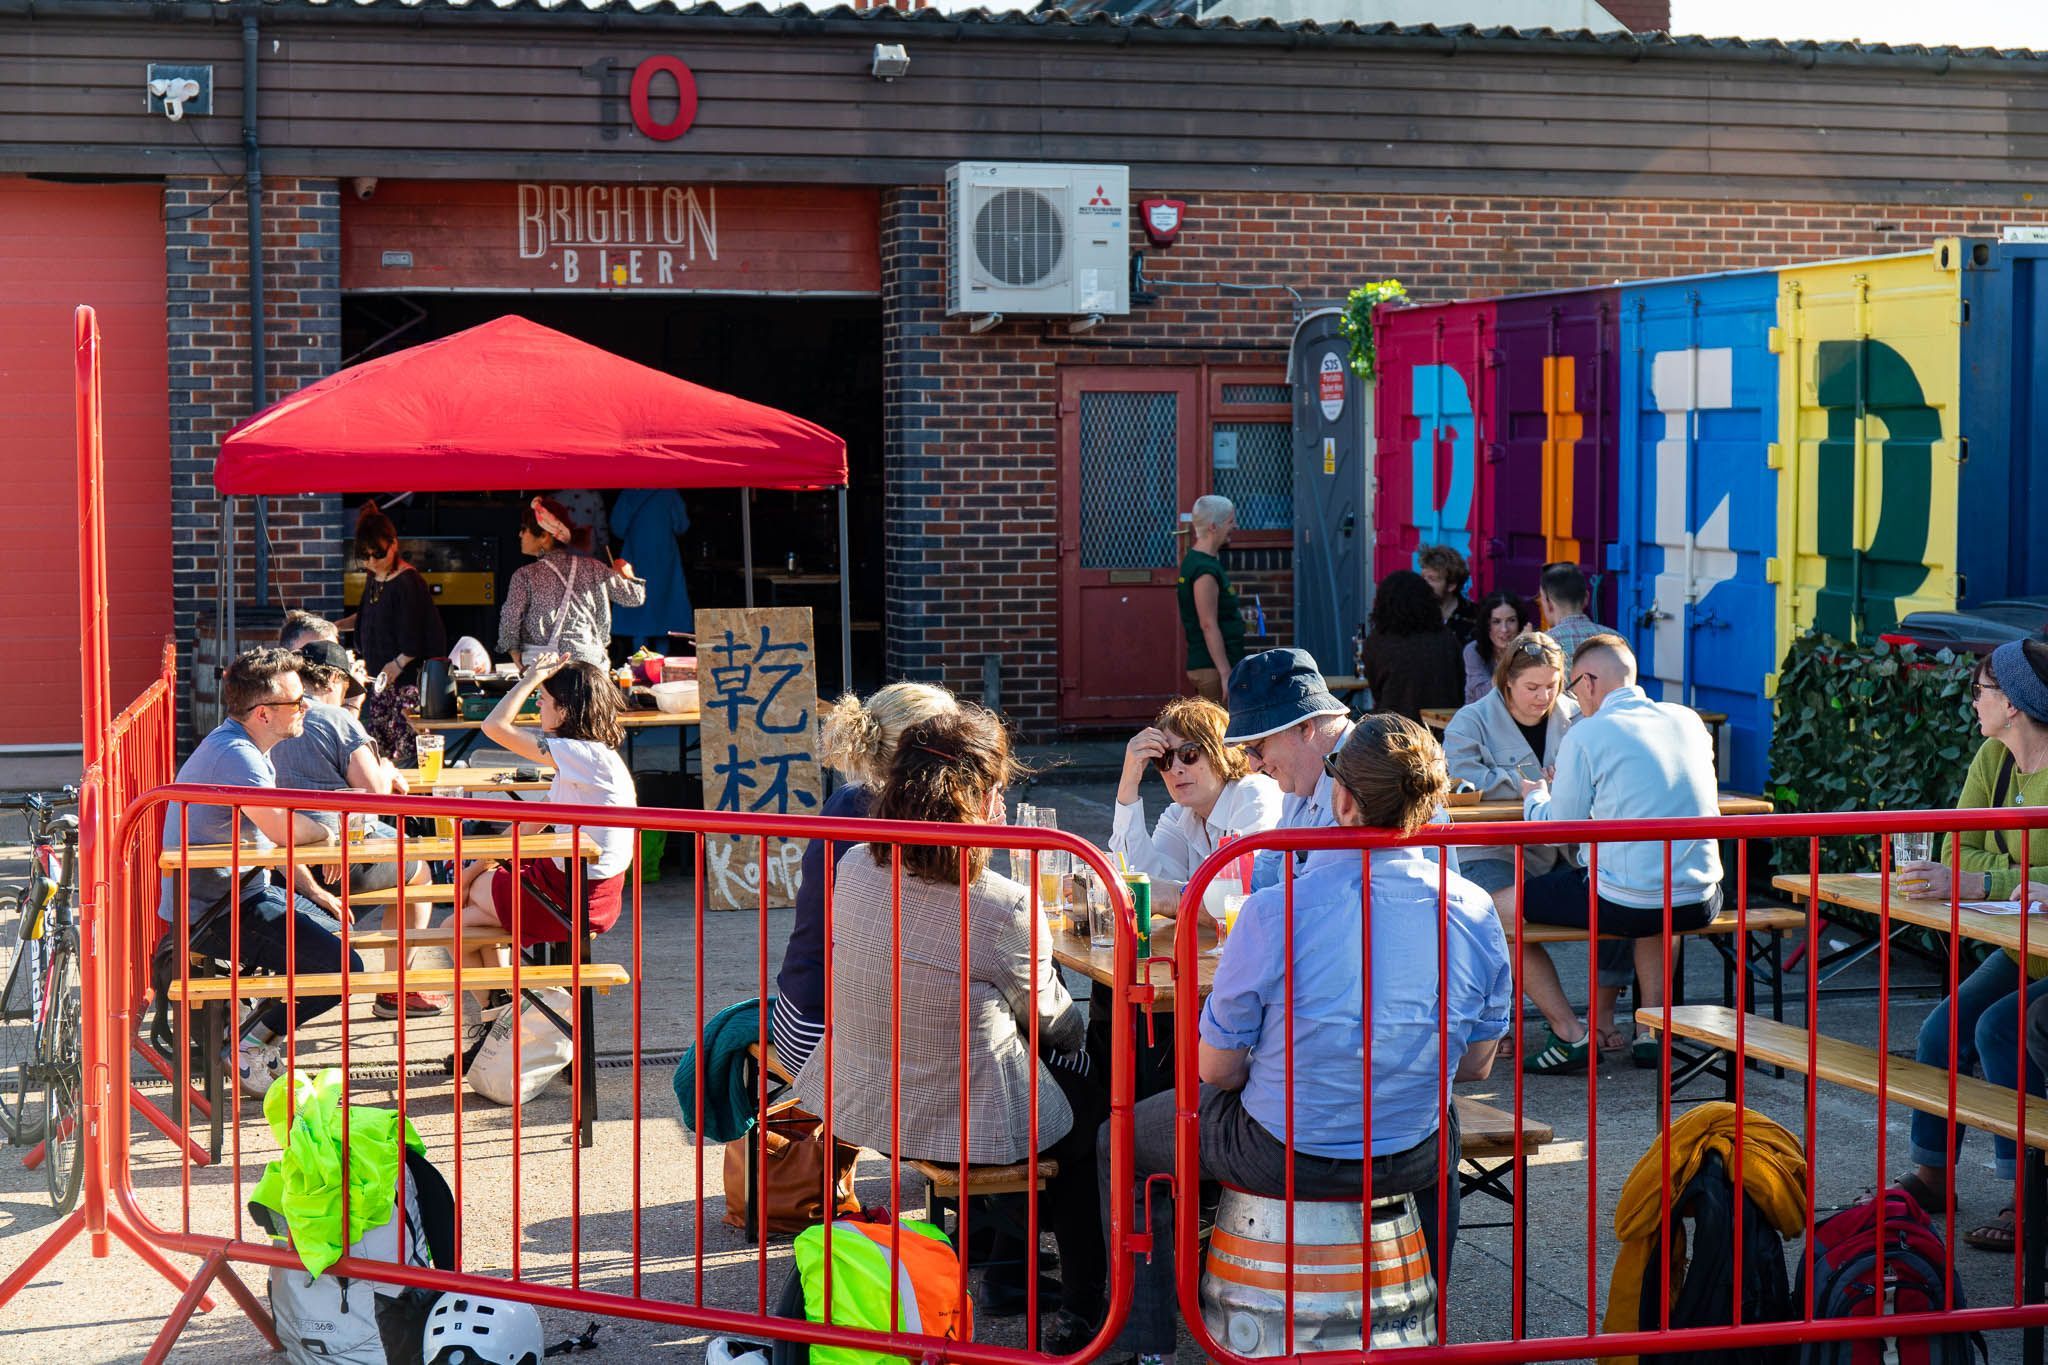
[{"x": 757, "y": 670}]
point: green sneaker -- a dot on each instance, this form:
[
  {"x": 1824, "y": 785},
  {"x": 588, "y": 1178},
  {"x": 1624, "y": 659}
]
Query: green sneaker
[{"x": 1557, "y": 1057}]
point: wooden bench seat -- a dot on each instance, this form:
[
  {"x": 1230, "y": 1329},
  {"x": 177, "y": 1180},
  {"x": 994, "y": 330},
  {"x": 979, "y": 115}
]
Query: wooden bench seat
[
  {"x": 1486, "y": 1133},
  {"x": 419, "y": 893},
  {"x": 1979, "y": 1104},
  {"x": 982, "y": 1180},
  {"x": 1773, "y": 919},
  {"x": 597, "y": 976},
  {"x": 765, "y": 1058},
  {"x": 437, "y": 936}
]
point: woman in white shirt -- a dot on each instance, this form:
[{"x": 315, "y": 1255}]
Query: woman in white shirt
[
  {"x": 1213, "y": 792},
  {"x": 579, "y": 734}
]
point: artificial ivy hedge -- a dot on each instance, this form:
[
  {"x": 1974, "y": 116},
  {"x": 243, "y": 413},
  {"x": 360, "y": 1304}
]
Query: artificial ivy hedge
[{"x": 1869, "y": 727}]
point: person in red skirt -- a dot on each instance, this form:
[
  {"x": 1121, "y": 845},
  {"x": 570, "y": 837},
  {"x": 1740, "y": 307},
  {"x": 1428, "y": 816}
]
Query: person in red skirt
[{"x": 579, "y": 734}]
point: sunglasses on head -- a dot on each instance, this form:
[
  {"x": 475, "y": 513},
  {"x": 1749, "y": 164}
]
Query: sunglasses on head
[
  {"x": 1189, "y": 754},
  {"x": 1530, "y": 648}
]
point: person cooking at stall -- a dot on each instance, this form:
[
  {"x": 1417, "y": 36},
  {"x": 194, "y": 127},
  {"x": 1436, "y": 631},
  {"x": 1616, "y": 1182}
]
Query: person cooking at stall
[
  {"x": 562, "y": 602},
  {"x": 396, "y": 627}
]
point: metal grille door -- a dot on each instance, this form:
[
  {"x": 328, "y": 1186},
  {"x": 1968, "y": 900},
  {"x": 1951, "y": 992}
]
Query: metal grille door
[
  {"x": 1127, "y": 473},
  {"x": 1130, "y": 471}
]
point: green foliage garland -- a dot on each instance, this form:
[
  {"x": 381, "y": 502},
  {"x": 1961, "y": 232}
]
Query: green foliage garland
[
  {"x": 1356, "y": 324},
  {"x": 1868, "y": 727}
]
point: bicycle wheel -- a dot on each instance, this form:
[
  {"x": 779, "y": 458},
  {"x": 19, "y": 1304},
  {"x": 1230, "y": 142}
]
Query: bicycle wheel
[
  {"x": 20, "y": 1001},
  {"x": 63, "y": 1085}
]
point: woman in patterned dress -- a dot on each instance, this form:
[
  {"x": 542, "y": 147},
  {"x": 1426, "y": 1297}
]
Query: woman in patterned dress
[{"x": 562, "y": 601}]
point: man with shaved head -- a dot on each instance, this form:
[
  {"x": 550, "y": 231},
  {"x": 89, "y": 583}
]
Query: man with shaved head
[{"x": 1625, "y": 758}]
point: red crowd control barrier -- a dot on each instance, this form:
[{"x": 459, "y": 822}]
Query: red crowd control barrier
[
  {"x": 900, "y": 929},
  {"x": 1837, "y": 1165}
]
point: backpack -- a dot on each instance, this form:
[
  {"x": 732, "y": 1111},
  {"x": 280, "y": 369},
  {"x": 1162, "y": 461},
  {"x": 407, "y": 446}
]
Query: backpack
[
  {"x": 1704, "y": 1294},
  {"x": 1915, "y": 1264},
  {"x": 925, "y": 1279},
  {"x": 329, "y": 1318}
]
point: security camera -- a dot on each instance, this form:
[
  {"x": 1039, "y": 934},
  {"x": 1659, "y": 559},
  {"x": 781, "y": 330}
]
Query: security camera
[{"x": 364, "y": 185}]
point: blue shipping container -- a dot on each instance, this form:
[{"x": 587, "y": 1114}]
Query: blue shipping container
[
  {"x": 1698, "y": 501},
  {"x": 2003, "y": 548}
]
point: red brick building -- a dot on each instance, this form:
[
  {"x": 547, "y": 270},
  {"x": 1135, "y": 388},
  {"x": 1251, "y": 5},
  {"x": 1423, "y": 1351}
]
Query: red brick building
[{"x": 787, "y": 237}]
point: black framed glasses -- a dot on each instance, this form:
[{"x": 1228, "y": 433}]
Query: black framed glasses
[
  {"x": 1189, "y": 755},
  {"x": 1980, "y": 687},
  {"x": 1573, "y": 685},
  {"x": 1255, "y": 750}
]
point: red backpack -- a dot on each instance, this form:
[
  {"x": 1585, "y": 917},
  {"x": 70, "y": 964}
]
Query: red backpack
[{"x": 1917, "y": 1270}]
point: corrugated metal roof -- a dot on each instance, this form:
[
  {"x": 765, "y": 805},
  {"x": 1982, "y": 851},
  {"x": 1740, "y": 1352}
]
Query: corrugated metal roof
[{"x": 1426, "y": 36}]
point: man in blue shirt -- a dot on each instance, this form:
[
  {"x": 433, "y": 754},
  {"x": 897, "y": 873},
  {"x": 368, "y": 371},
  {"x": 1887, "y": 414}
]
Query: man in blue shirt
[
  {"x": 1388, "y": 776},
  {"x": 265, "y": 704}
]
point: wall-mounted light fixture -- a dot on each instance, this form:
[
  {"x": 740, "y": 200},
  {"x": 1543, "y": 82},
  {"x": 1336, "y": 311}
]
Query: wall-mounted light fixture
[{"x": 891, "y": 61}]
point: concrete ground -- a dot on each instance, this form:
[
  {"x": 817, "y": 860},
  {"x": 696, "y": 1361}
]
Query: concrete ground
[{"x": 79, "y": 1309}]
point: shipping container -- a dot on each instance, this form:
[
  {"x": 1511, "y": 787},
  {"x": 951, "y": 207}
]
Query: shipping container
[
  {"x": 1552, "y": 459},
  {"x": 1698, "y": 509},
  {"x": 1868, "y": 376},
  {"x": 1431, "y": 423},
  {"x": 2004, "y": 489}
]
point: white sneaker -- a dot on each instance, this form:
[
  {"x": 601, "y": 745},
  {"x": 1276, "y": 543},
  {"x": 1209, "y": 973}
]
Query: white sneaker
[{"x": 260, "y": 1064}]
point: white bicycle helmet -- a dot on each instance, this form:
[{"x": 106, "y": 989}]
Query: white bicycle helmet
[
  {"x": 735, "y": 1351},
  {"x": 467, "y": 1329}
]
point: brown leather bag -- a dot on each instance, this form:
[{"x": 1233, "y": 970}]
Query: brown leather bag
[{"x": 792, "y": 1174}]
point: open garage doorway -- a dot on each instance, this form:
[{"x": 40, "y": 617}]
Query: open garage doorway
[{"x": 818, "y": 358}]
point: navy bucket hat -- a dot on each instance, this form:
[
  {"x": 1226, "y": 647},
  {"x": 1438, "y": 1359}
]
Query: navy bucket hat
[{"x": 1274, "y": 689}]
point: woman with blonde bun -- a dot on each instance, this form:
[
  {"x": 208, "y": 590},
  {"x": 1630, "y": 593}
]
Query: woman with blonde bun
[{"x": 858, "y": 741}]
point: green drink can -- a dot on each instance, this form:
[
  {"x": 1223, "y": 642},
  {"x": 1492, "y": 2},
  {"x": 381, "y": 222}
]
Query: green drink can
[{"x": 1140, "y": 887}]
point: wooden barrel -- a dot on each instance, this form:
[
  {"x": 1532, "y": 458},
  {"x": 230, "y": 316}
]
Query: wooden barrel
[{"x": 1244, "y": 1278}]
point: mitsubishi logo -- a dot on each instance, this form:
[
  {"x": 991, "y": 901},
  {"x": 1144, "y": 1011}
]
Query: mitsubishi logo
[{"x": 1099, "y": 200}]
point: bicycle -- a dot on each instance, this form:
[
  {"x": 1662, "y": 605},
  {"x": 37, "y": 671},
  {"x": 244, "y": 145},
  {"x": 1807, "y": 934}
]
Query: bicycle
[{"x": 42, "y": 1080}]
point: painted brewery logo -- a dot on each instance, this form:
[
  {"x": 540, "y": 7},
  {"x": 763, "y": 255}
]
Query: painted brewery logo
[{"x": 618, "y": 236}]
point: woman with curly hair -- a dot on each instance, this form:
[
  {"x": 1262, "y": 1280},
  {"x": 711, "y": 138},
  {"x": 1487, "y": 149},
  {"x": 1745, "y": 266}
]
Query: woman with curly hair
[{"x": 1413, "y": 661}]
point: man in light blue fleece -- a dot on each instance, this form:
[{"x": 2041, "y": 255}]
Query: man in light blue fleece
[{"x": 1626, "y": 758}]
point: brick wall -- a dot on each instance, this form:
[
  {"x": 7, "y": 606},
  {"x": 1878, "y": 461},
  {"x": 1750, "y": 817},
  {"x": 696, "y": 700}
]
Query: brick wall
[
  {"x": 972, "y": 425},
  {"x": 206, "y": 221},
  {"x": 1641, "y": 16}
]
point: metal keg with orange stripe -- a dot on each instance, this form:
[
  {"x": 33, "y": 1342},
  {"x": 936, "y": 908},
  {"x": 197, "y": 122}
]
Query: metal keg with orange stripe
[{"x": 1245, "y": 1277}]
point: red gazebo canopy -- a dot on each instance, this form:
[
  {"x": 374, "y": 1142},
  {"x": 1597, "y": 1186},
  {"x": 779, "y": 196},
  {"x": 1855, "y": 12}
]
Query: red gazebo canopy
[{"x": 511, "y": 404}]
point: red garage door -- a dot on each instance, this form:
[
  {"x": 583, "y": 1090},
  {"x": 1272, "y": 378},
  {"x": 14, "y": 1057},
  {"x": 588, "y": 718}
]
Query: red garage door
[{"x": 60, "y": 246}]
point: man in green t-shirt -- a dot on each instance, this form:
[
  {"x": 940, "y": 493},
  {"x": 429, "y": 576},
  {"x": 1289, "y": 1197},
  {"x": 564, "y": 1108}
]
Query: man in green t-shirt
[{"x": 1208, "y": 604}]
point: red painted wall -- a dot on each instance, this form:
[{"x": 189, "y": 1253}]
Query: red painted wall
[{"x": 60, "y": 246}]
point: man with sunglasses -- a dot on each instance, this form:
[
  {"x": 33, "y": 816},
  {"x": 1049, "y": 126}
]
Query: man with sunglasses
[
  {"x": 1287, "y": 723},
  {"x": 265, "y": 704}
]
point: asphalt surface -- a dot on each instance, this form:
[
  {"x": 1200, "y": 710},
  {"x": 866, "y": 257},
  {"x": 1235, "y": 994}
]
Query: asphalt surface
[{"x": 80, "y": 1309}]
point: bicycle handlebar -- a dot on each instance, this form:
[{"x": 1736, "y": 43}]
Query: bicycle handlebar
[{"x": 35, "y": 803}]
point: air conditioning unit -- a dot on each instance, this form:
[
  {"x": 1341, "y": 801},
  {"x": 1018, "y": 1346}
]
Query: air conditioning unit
[{"x": 1039, "y": 239}]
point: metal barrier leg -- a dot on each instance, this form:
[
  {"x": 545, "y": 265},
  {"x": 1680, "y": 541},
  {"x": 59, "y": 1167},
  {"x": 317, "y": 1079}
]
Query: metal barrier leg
[
  {"x": 60, "y": 1237},
  {"x": 2036, "y": 1251},
  {"x": 192, "y": 1298},
  {"x": 133, "y": 1240}
]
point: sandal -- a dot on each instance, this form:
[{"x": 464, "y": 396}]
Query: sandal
[
  {"x": 1557, "y": 1057},
  {"x": 1995, "y": 1235},
  {"x": 1933, "y": 1202}
]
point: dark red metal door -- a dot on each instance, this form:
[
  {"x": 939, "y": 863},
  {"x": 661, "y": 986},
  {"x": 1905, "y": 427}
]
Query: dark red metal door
[{"x": 1126, "y": 473}]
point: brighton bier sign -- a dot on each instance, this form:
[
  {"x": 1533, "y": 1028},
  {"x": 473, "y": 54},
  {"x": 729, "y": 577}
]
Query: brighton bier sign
[{"x": 544, "y": 236}]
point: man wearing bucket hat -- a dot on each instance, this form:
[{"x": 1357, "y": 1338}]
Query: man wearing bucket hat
[{"x": 1288, "y": 723}]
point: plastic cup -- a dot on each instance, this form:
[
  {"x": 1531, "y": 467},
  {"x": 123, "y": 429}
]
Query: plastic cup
[
  {"x": 444, "y": 825},
  {"x": 1911, "y": 848},
  {"x": 430, "y": 748},
  {"x": 1101, "y": 917},
  {"x": 1231, "y": 905},
  {"x": 359, "y": 826}
]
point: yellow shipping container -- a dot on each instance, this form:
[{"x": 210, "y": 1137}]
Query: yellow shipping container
[{"x": 1868, "y": 383}]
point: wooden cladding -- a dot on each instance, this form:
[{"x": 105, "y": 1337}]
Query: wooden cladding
[
  {"x": 480, "y": 96},
  {"x": 578, "y": 236}
]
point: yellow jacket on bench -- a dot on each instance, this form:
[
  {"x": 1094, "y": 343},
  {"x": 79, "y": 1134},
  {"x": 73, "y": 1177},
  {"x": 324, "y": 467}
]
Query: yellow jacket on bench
[{"x": 1773, "y": 1176}]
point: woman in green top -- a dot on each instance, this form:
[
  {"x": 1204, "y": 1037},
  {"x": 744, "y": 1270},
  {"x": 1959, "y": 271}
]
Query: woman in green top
[
  {"x": 1208, "y": 604},
  {"x": 2010, "y": 694}
]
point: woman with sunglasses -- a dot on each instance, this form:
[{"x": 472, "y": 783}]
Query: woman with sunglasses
[
  {"x": 2010, "y": 697},
  {"x": 1212, "y": 789}
]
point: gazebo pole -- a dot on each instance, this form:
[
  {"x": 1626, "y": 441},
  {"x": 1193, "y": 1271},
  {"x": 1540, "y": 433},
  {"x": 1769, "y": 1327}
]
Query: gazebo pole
[
  {"x": 845, "y": 603},
  {"x": 747, "y": 541}
]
